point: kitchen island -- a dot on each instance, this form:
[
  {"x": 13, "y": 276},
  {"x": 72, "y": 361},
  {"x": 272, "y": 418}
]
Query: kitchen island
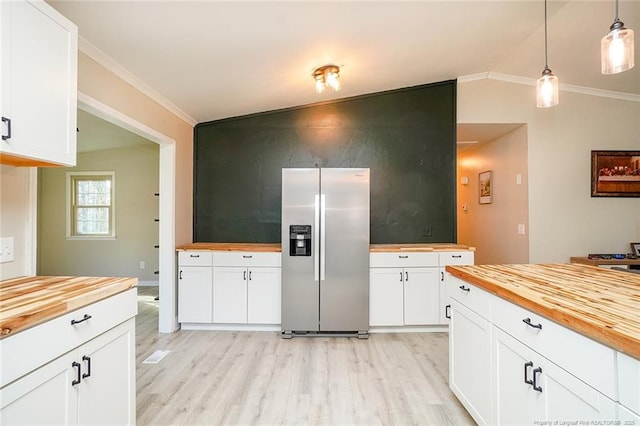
[
  {"x": 67, "y": 350},
  {"x": 550, "y": 342}
]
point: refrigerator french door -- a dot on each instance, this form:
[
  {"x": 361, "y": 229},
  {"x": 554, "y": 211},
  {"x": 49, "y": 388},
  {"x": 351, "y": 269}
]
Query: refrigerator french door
[{"x": 325, "y": 251}]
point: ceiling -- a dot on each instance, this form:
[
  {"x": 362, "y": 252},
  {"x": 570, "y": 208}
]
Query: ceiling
[{"x": 217, "y": 59}]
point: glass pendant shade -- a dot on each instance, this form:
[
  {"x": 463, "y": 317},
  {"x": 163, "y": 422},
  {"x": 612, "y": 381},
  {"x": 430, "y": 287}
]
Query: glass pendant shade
[
  {"x": 547, "y": 89},
  {"x": 617, "y": 49}
]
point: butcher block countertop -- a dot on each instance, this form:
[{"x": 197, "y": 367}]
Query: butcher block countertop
[
  {"x": 600, "y": 303},
  {"x": 28, "y": 301},
  {"x": 373, "y": 248}
]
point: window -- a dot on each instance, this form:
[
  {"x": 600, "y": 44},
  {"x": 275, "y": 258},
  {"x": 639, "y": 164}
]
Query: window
[{"x": 91, "y": 204}]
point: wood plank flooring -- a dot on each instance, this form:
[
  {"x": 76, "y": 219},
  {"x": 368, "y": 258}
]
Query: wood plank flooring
[{"x": 258, "y": 378}]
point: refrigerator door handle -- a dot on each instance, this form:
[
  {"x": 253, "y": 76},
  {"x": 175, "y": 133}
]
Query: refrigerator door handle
[
  {"x": 323, "y": 238},
  {"x": 316, "y": 238}
]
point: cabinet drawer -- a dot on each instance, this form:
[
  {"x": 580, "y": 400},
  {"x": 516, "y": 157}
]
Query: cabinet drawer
[
  {"x": 245, "y": 258},
  {"x": 586, "y": 359},
  {"x": 194, "y": 258},
  {"x": 401, "y": 259},
  {"x": 474, "y": 298},
  {"x": 456, "y": 258},
  {"x": 629, "y": 382},
  {"x": 53, "y": 338}
]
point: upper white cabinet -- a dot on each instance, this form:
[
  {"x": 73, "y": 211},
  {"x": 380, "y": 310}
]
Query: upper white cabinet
[{"x": 39, "y": 85}]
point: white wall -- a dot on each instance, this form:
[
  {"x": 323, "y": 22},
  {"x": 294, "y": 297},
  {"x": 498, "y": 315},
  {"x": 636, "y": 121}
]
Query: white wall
[
  {"x": 492, "y": 228},
  {"x": 564, "y": 220},
  {"x": 15, "y": 192}
]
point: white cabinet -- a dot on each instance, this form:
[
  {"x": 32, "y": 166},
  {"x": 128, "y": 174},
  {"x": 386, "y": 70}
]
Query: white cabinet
[
  {"x": 444, "y": 259},
  {"x": 530, "y": 387},
  {"x": 629, "y": 383},
  {"x": 470, "y": 367},
  {"x": 89, "y": 373},
  {"x": 39, "y": 84},
  {"x": 228, "y": 288},
  {"x": 403, "y": 289},
  {"x": 195, "y": 287}
]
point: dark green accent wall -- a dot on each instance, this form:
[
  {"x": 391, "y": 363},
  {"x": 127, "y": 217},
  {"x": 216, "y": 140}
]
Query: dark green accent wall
[{"x": 407, "y": 137}]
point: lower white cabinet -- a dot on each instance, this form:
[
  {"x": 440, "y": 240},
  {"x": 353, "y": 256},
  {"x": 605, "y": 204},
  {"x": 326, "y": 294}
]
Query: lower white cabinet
[
  {"x": 92, "y": 384},
  {"x": 228, "y": 288},
  {"x": 531, "y": 387},
  {"x": 470, "y": 369}
]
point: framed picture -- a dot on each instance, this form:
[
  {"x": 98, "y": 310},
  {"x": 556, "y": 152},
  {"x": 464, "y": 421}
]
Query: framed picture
[
  {"x": 485, "y": 187},
  {"x": 615, "y": 173},
  {"x": 635, "y": 249}
]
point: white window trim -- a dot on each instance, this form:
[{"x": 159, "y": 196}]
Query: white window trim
[{"x": 69, "y": 234}]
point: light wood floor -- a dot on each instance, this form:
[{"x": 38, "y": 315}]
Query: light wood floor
[{"x": 258, "y": 378}]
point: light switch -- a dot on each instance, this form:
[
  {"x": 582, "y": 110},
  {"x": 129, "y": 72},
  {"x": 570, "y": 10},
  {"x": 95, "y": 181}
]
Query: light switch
[
  {"x": 521, "y": 229},
  {"x": 6, "y": 249},
  {"x": 518, "y": 179}
]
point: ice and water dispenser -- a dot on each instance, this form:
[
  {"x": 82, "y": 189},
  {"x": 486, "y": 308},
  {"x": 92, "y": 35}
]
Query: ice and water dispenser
[{"x": 300, "y": 240}]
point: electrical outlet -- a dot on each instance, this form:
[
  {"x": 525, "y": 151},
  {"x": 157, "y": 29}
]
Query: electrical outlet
[
  {"x": 142, "y": 264},
  {"x": 6, "y": 249},
  {"x": 521, "y": 229}
]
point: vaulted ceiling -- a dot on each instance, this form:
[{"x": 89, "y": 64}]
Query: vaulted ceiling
[{"x": 217, "y": 59}]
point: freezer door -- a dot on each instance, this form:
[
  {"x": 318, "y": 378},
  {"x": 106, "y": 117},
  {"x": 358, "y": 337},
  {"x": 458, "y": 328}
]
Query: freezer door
[
  {"x": 300, "y": 274},
  {"x": 344, "y": 243}
]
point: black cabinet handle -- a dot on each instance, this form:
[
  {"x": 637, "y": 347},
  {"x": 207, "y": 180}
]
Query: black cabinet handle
[
  {"x": 84, "y": 318},
  {"x": 447, "y": 311},
  {"x": 456, "y": 256},
  {"x": 535, "y": 374},
  {"x": 246, "y": 257},
  {"x": 530, "y": 324},
  {"x": 463, "y": 288},
  {"x": 87, "y": 359},
  {"x": 406, "y": 274},
  {"x": 400, "y": 276},
  {"x": 8, "y": 135},
  {"x": 244, "y": 275},
  {"x": 526, "y": 372},
  {"x": 403, "y": 257},
  {"x": 77, "y": 366},
  {"x": 194, "y": 255},
  {"x": 441, "y": 276},
  {"x": 250, "y": 275}
]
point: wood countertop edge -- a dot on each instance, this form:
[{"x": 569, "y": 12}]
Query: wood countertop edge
[
  {"x": 48, "y": 310},
  {"x": 607, "y": 336},
  {"x": 373, "y": 248}
]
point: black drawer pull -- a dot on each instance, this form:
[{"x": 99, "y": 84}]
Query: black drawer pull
[
  {"x": 526, "y": 372},
  {"x": 8, "y": 135},
  {"x": 194, "y": 255},
  {"x": 404, "y": 257},
  {"x": 447, "y": 311},
  {"x": 244, "y": 256},
  {"x": 87, "y": 359},
  {"x": 535, "y": 374},
  {"x": 463, "y": 288},
  {"x": 77, "y": 366},
  {"x": 456, "y": 256},
  {"x": 530, "y": 324},
  {"x": 84, "y": 318}
]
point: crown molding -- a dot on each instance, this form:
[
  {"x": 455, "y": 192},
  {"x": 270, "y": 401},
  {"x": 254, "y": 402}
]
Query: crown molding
[
  {"x": 564, "y": 87},
  {"x": 106, "y": 61}
]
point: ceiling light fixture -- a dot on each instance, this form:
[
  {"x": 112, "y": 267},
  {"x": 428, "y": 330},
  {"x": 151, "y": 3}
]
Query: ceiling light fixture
[
  {"x": 547, "y": 84},
  {"x": 327, "y": 76},
  {"x": 616, "y": 48}
]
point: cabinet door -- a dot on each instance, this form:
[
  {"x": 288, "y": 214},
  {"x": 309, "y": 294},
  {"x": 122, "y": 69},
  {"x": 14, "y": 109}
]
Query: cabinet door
[
  {"x": 39, "y": 82},
  {"x": 263, "y": 298},
  {"x": 386, "y": 298},
  {"x": 230, "y": 294},
  {"x": 195, "y": 294},
  {"x": 107, "y": 391},
  {"x": 44, "y": 396},
  {"x": 516, "y": 402},
  {"x": 470, "y": 369},
  {"x": 421, "y": 296}
]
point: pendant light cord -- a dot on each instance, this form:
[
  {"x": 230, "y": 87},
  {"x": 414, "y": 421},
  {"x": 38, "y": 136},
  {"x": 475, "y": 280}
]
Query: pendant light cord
[
  {"x": 617, "y": 19},
  {"x": 546, "y": 62}
]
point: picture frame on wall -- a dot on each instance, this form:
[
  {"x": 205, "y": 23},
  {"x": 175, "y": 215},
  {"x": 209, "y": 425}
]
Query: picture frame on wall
[
  {"x": 635, "y": 249},
  {"x": 615, "y": 173},
  {"x": 485, "y": 187}
]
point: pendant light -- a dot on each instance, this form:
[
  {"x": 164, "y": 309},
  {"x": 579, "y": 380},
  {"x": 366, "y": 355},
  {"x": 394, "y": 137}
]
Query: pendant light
[
  {"x": 616, "y": 48},
  {"x": 547, "y": 84}
]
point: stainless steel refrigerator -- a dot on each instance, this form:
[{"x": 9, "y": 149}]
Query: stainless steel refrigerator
[{"x": 325, "y": 251}]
